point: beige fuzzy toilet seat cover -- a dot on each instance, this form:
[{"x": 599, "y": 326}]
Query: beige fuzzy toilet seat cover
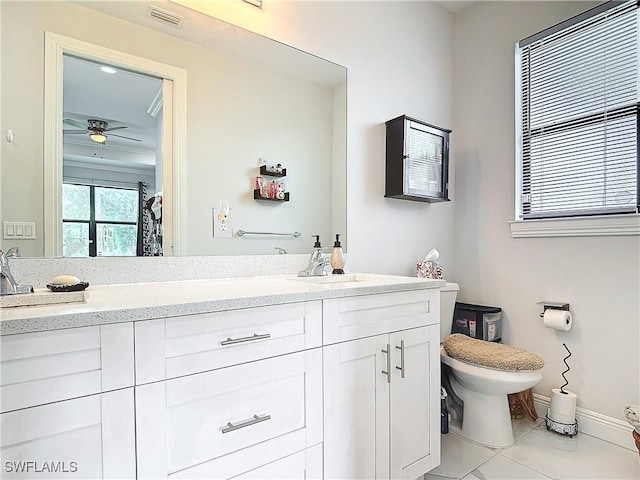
[{"x": 490, "y": 354}]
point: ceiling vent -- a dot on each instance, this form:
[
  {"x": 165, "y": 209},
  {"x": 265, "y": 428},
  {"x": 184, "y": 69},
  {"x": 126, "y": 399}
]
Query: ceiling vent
[
  {"x": 255, "y": 3},
  {"x": 165, "y": 16}
]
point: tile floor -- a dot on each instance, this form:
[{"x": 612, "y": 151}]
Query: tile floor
[{"x": 536, "y": 454}]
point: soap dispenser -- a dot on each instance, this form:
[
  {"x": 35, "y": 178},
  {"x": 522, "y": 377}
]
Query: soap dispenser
[
  {"x": 317, "y": 245},
  {"x": 337, "y": 257},
  {"x": 316, "y": 256}
]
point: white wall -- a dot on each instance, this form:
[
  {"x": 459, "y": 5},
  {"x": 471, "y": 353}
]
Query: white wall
[
  {"x": 253, "y": 111},
  {"x": 399, "y": 57},
  {"x": 599, "y": 276}
]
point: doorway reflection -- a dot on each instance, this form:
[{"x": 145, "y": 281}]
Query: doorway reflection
[{"x": 112, "y": 169}]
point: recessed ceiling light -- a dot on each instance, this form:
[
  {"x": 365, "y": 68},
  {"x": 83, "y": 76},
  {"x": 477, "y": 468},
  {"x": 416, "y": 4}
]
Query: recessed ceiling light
[{"x": 106, "y": 69}]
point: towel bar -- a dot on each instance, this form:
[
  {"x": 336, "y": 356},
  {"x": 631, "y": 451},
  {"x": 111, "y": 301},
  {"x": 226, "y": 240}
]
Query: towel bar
[{"x": 242, "y": 233}]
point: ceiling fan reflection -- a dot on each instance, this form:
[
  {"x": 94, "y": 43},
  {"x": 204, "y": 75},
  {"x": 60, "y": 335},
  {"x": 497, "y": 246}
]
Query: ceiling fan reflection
[{"x": 96, "y": 129}]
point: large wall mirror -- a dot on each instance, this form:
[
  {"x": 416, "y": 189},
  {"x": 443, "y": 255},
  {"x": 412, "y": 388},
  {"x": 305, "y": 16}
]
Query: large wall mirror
[{"x": 249, "y": 100}]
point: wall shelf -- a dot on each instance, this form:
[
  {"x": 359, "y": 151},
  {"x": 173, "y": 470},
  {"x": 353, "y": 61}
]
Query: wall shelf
[
  {"x": 257, "y": 196},
  {"x": 263, "y": 171}
]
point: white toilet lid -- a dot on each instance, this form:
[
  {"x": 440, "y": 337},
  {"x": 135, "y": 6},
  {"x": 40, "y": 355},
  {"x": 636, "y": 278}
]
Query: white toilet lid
[{"x": 490, "y": 354}]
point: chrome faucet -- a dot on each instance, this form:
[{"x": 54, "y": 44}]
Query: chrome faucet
[
  {"x": 8, "y": 284},
  {"x": 316, "y": 262}
]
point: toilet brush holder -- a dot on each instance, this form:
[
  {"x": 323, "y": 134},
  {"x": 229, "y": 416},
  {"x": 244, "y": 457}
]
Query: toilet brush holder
[
  {"x": 570, "y": 429},
  {"x": 561, "y": 415}
]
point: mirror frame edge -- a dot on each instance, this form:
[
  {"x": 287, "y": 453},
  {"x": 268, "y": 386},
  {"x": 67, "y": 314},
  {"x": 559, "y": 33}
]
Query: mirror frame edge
[{"x": 56, "y": 46}]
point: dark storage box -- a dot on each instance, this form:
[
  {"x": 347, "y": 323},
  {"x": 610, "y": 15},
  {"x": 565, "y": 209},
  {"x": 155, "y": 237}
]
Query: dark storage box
[{"x": 478, "y": 321}]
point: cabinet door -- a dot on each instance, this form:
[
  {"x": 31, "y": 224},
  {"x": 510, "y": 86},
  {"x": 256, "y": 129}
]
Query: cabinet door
[
  {"x": 356, "y": 409},
  {"x": 222, "y": 423},
  {"x": 415, "y": 400},
  {"x": 88, "y": 437},
  {"x": 426, "y": 166}
]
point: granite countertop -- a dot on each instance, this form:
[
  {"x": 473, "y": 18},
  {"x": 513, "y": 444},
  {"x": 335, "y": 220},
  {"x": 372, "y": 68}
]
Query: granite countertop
[{"x": 144, "y": 301}]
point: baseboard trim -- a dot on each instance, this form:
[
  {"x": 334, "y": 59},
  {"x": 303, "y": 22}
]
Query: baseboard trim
[{"x": 595, "y": 424}]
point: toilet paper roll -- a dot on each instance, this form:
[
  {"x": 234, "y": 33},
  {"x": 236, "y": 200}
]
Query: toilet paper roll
[
  {"x": 563, "y": 406},
  {"x": 557, "y": 319}
]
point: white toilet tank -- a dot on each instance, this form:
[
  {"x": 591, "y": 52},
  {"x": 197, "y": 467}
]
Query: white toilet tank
[{"x": 448, "y": 295}]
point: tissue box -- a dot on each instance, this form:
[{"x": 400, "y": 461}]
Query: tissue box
[{"x": 429, "y": 269}]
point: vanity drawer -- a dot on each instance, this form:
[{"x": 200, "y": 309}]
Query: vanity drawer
[
  {"x": 214, "y": 423},
  {"x": 303, "y": 465},
  {"x": 178, "y": 346},
  {"x": 88, "y": 437},
  {"x": 44, "y": 367},
  {"x": 351, "y": 318}
]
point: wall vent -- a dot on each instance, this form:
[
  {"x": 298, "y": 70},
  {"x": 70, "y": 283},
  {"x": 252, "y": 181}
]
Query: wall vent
[{"x": 165, "y": 16}]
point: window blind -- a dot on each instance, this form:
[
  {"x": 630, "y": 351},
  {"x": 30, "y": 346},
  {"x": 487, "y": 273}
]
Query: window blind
[{"x": 578, "y": 117}]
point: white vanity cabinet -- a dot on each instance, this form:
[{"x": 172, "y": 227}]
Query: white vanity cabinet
[
  {"x": 230, "y": 393},
  {"x": 381, "y": 392},
  {"x": 68, "y": 404},
  {"x": 335, "y": 383}
]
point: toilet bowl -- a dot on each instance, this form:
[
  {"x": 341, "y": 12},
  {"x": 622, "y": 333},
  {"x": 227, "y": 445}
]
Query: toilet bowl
[{"x": 486, "y": 416}]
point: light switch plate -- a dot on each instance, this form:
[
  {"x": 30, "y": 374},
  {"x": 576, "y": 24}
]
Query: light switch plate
[
  {"x": 222, "y": 230},
  {"x": 19, "y": 230}
]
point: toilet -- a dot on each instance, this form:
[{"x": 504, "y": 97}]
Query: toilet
[{"x": 483, "y": 381}]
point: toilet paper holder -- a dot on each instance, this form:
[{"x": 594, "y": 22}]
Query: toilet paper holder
[{"x": 554, "y": 305}]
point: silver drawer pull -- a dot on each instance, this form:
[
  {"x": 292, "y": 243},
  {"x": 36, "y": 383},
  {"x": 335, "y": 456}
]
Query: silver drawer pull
[
  {"x": 388, "y": 370},
  {"x": 256, "y": 419},
  {"x": 255, "y": 336},
  {"x": 401, "y": 367}
]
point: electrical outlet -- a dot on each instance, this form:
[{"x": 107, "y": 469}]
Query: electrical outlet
[{"x": 222, "y": 229}]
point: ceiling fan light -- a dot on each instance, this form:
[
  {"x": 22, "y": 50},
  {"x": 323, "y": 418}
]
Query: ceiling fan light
[{"x": 98, "y": 137}]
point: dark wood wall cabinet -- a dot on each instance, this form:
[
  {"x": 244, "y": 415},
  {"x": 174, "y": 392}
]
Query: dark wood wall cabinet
[{"x": 417, "y": 165}]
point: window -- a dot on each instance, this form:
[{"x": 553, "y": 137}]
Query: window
[
  {"x": 577, "y": 114},
  {"x": 99, "y": 221}
]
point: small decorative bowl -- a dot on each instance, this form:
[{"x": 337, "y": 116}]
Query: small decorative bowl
[{"x": 77, "y": 287}]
